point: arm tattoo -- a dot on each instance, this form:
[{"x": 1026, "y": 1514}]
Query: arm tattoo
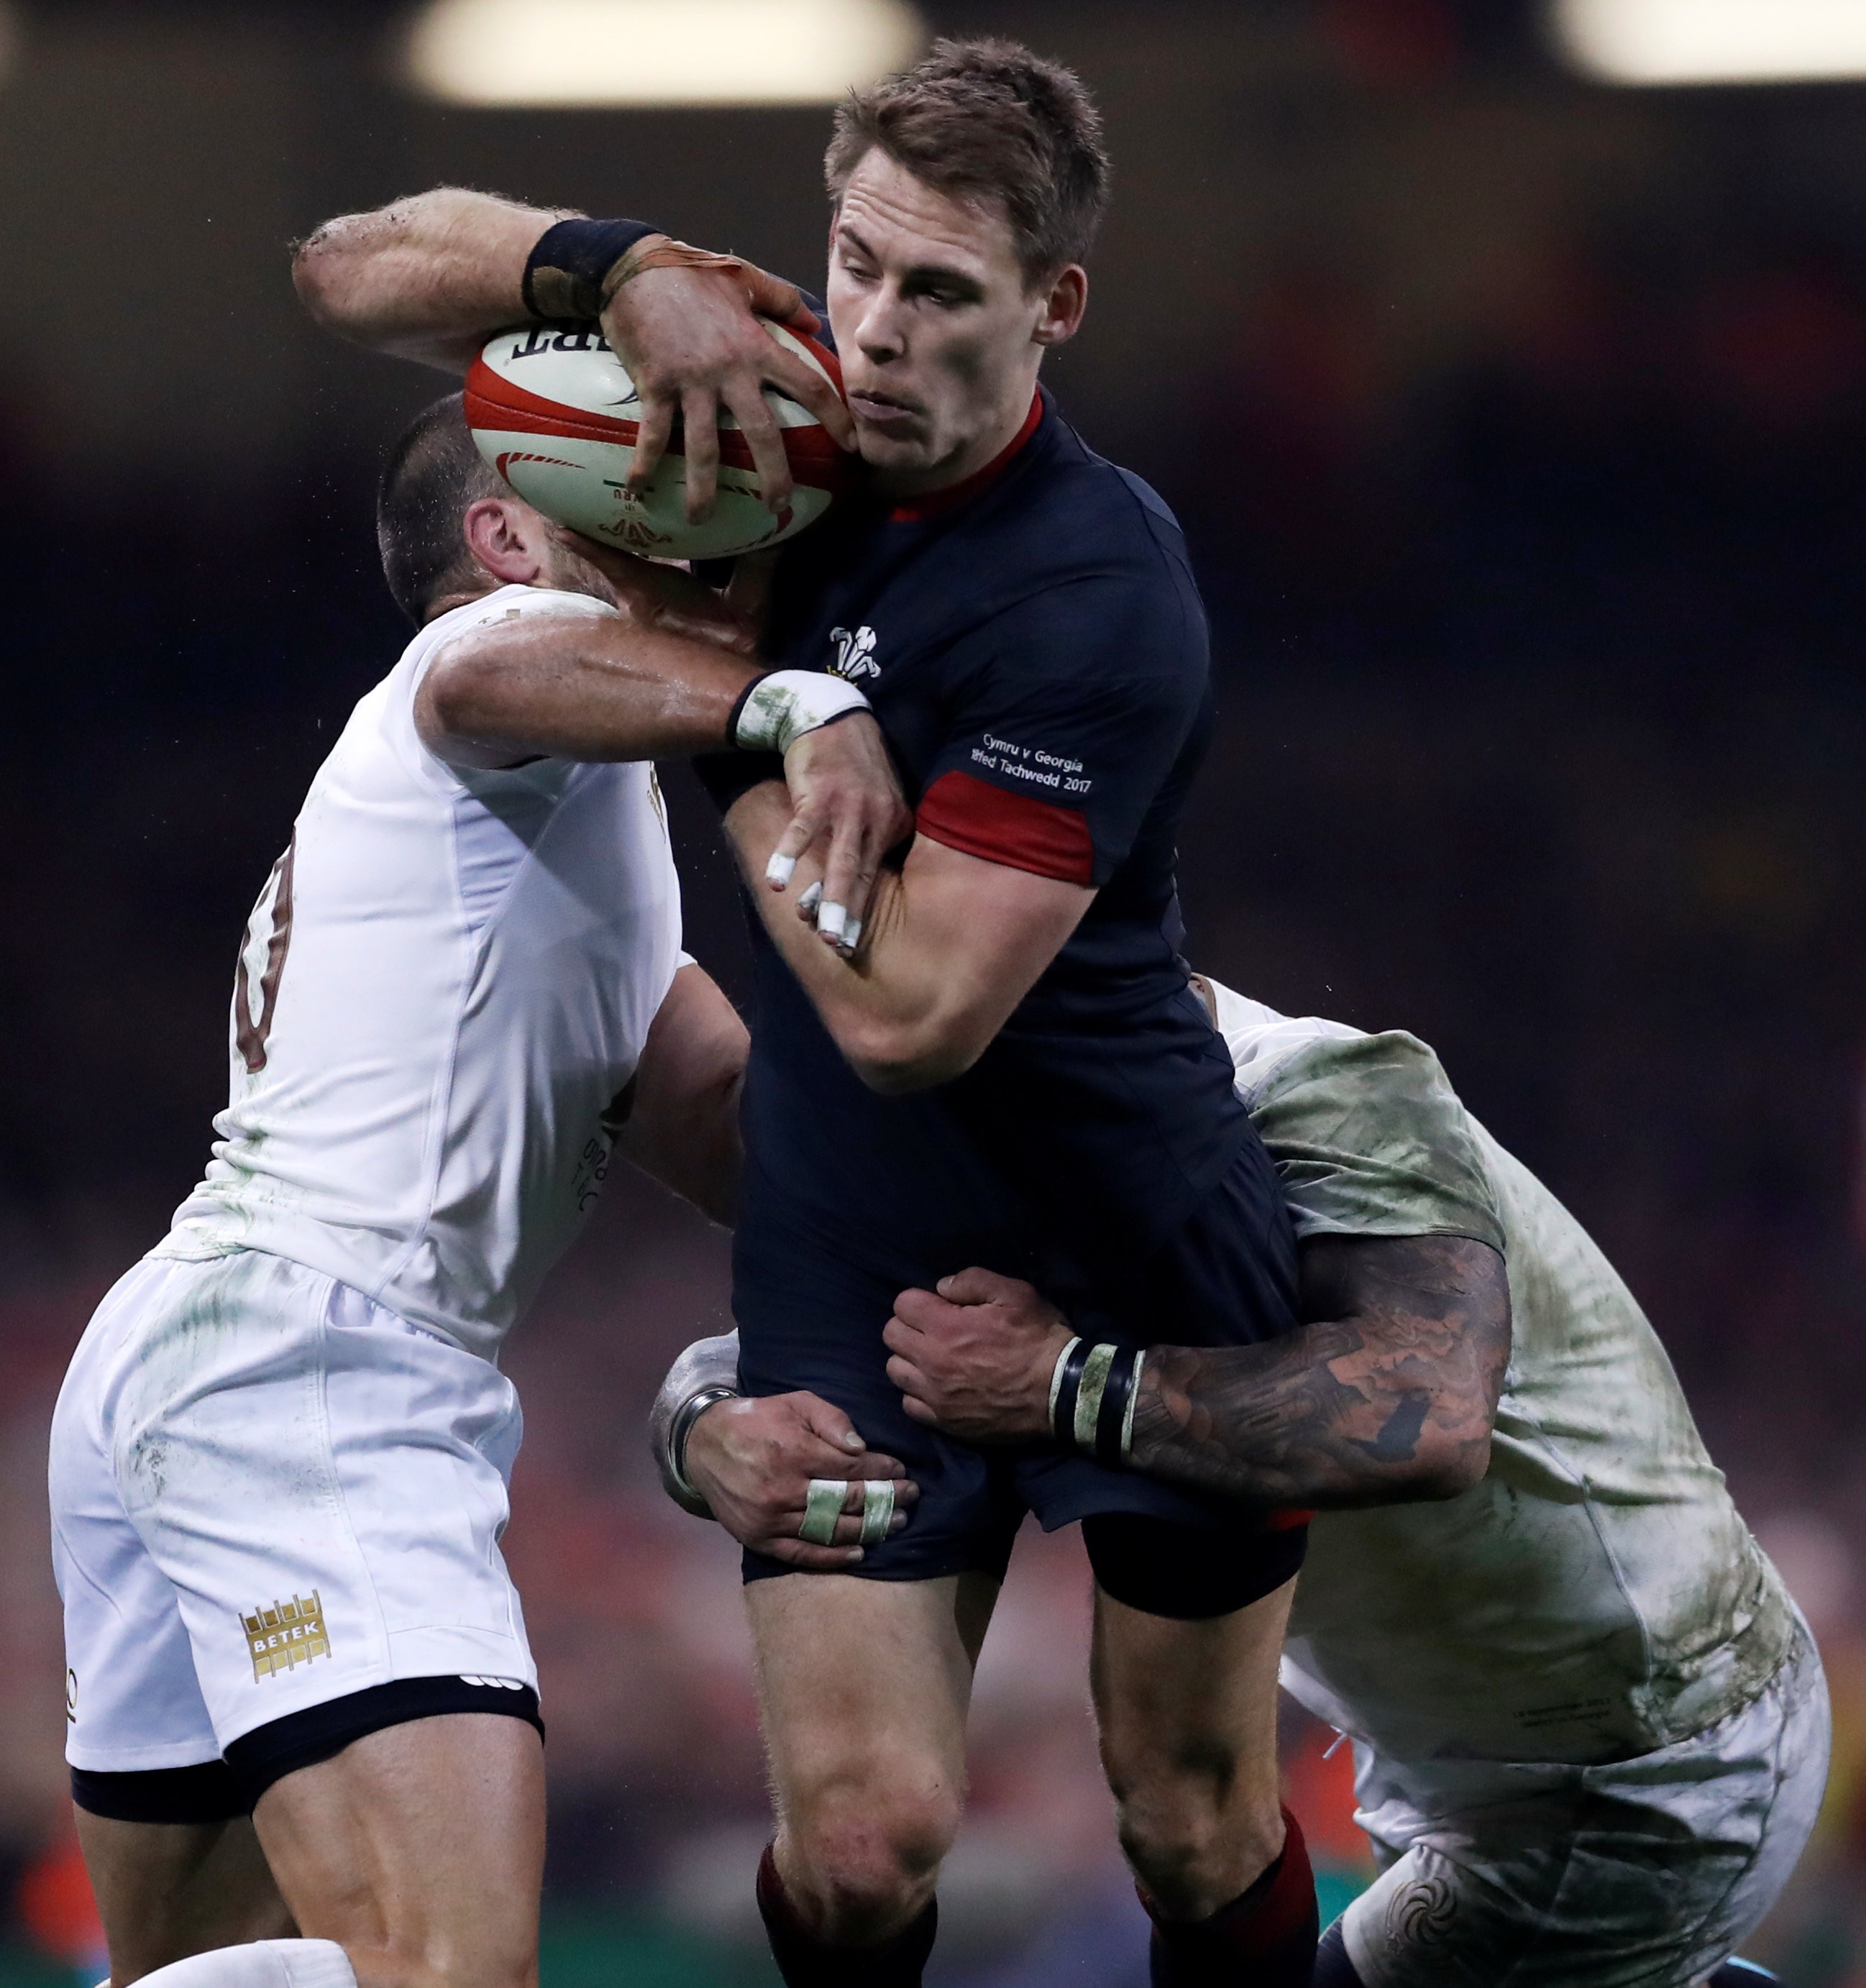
[{"x": 1388, "y": 1397}]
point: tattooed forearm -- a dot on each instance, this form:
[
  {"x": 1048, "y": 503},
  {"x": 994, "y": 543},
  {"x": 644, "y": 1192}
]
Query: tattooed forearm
[{"x": 1389, "y": 1397}]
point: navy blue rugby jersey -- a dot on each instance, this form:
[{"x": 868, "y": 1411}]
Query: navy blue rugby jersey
[{"x": 1034, "y": 646}]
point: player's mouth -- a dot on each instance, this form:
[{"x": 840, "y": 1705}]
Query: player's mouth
[{"x": 884, "y": 412}]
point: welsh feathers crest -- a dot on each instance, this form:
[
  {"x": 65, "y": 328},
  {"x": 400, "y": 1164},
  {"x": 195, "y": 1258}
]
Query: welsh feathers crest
[{"x": 854, "y": 654}]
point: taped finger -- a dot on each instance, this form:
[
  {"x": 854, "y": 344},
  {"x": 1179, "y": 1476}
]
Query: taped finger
[
  {"x": 877, "y": 1509},
  {"x": 823, "y": 1502}
]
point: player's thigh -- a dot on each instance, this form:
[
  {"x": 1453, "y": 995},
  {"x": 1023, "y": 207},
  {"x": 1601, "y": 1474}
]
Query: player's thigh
[
  {"x": 863, "y": 1687},
  {"x": 1645, "y": 1873},
  {"x": 420, "y": 1849},
  {"x": 323, "y": 1486},
  {"x": 165, "y": 1890},
  {"x": 133, "y": 1700}
]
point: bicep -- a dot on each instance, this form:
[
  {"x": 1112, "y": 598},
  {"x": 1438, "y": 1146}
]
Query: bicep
[
  {"x": 682, "y": 1120},
  {"x": 1072, "y": 711},
  {"x": 694, "y": 1053},
  {"x": 992, "y": 927},
  {"x": 1414, "y": 1298}
]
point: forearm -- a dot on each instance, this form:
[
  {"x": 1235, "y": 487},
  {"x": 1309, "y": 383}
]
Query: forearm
[
  {"x": 1391, "y": 1404},
  {"x": 430, "y": 278},
  {"x": 696, "y": 1151},
  {"x": 588, "y": 690},
  {"x": 880, "y": 1005},
  {"x": 952, "y": 943}
]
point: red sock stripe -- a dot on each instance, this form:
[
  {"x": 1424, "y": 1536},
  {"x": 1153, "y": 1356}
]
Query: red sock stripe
[{"x": 1266, "y": 1938}]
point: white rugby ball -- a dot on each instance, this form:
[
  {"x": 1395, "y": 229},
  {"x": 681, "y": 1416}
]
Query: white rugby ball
[{"x": 551, "y": 409}]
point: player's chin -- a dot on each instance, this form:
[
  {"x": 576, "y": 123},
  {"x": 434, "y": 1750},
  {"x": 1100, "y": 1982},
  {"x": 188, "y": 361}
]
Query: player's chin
[{"x": 899, "y": 446}]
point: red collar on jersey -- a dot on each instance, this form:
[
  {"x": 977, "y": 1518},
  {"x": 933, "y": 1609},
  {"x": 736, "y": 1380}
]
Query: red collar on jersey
[{"x": 936, "y": 501}]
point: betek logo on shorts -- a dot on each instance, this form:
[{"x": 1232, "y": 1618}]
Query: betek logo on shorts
[{"x": 286, "y": 1634}]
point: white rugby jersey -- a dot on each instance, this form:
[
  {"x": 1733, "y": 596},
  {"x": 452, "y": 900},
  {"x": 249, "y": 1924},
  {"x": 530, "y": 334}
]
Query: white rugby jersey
[
  {"x": 1597, "y": 1596},
  {"x": 446, "y": 983}
]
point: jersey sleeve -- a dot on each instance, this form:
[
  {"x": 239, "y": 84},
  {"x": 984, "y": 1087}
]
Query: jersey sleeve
[
  {"x": 1071, "y": 709},
  {"x": 1370, "y": 1139}
]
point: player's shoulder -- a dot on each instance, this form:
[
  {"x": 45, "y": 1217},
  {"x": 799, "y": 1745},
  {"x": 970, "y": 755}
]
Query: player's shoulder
[
  {"x": 503, "y": 603},
  {"x": 1309, "y": 1059},
  {"x": 1082, "y": 565},
  {"x": 1099, "y": 516}
]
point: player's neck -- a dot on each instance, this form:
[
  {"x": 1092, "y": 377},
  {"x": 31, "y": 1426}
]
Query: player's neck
[{"x": 975, "y": 464}]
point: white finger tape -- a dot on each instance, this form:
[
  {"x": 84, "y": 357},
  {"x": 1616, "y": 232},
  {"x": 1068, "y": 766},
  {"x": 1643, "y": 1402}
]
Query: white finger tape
[
  {"x": 779, "y": 870},
  {"x": 808, "y": 898},
  {"x": 823, "y": 1502},
  {"x": 877, "y": 1509},
  {"x": 833, "y": 920}
]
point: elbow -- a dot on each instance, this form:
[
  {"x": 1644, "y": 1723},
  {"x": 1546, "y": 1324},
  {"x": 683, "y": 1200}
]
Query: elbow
[
  {"x": 1441, "y": 1470},
  {"x": 323, "y": 274},
  {"x": 896, "y": 1058}
]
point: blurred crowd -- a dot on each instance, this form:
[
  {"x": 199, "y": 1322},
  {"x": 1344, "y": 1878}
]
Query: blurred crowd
[{"x": 1541, "y": 725}]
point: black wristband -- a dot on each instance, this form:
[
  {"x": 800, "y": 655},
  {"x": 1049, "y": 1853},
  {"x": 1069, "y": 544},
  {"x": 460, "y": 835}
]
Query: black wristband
[
  {"x": 564, "y": 271},
  {"x": 738, "y": 709},
  {"x": 1113, "y": 1414},
  {"x": 1068, "y": 1384}
]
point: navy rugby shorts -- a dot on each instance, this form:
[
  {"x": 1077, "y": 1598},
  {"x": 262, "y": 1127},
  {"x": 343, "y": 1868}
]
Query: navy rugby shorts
[{"x": 812, "y": 1301}]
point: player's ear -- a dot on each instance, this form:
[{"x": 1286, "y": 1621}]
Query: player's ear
[
  {"x": 508, "y": 538},
  {"x": 1063, "y": 300}
]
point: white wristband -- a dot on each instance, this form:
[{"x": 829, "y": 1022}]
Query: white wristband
[{"x": 779, "y": 708}]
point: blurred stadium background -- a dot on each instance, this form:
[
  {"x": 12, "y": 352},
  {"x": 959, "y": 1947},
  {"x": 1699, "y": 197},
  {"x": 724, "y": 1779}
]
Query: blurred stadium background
[{"x": 1517, "y": 414}]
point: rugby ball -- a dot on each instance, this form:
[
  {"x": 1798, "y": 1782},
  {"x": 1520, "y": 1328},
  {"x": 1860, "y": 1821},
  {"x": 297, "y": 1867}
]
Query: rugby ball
[{"x": 553, "y": 410}]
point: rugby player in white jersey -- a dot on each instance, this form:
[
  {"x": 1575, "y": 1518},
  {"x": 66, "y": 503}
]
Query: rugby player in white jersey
[
  {"x": 1590, "y": 1729},
  {"x": 279, "y": 1461}
]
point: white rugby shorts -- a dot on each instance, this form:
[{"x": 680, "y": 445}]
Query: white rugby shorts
[
  {"x": 1647, "y": 1873},
  {"x": 268, "y": 1492}
]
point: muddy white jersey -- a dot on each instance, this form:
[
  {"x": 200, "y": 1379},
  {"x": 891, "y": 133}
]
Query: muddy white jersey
[
  {"x": 445, "y": 986},
  {"x": 1598, "y": 1595}
]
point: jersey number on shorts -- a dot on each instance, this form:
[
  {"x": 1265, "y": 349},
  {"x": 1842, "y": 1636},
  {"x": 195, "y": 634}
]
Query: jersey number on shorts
[{"x": 268, "y": 932}]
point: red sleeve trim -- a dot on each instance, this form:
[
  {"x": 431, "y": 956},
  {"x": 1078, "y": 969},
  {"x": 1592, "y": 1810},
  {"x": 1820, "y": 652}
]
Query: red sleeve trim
[
  {"x": 966, "y": 814},
  {"x": 1285, "y": 1520}
]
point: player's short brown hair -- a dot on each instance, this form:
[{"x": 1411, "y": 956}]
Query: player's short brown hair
[
  {"x": 987, "y": 121},
  {"x": 434, "y": 472}
]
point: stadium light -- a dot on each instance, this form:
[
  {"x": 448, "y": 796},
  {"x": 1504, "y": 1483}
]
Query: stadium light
[
  {"x": 1653, "y": 42},
  {"x": 581, "y": 53}
]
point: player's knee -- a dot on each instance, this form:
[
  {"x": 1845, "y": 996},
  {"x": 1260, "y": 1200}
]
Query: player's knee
[
  {"x": 1194, "y": 1842},
  {"x": 870, "y": 1859}
]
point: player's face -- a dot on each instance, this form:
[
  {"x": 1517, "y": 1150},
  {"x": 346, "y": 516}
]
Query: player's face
[{"x": 940, "y": 335}]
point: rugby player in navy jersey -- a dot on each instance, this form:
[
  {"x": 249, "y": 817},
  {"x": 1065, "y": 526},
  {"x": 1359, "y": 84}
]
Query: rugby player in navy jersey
[{"x": 997, "y": 1057}]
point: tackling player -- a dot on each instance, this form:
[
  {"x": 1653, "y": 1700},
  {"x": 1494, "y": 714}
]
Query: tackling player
[
  {"x": 1012, "y": 1067},
  {"x": 1590, "y": 1728},
  {"x": 280, "y": 1460}
]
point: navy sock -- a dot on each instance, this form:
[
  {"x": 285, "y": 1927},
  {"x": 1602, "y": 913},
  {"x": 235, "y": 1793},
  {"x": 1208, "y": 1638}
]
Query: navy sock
[
  {"x": 805, "y": 1961},
  {"x": 1266, "y": 1938}
]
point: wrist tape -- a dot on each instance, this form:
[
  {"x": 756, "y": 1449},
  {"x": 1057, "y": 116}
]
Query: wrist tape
[
  {"x": 1092, "y": 1393},
  {"x": 774, "y": 711},
  {"x": 566, "y": 273}
]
